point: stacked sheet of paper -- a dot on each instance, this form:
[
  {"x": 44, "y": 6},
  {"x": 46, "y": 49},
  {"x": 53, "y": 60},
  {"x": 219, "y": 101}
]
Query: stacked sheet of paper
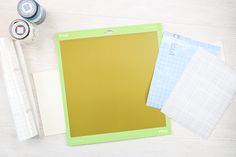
[
  {"x": 48, "y": 89},
  {"x": 191, "y": 84},
  {"x": 174, "y": 55},
  {"x": 202, "y": 94}
]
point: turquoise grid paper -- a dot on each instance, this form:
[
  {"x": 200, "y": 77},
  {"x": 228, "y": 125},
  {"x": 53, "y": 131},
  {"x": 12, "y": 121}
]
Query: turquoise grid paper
[{"x": 174, "y": 55}]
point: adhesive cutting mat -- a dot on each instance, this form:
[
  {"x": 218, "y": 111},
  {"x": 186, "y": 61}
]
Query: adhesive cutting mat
[{"x": 106, "y": 75}]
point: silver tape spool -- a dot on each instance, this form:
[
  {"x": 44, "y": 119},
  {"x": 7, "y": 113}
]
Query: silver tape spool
[
  {"x": 31, "y": 11},
  {"x": 22, "y": 30},
  {"x": 27, "y": 8}
]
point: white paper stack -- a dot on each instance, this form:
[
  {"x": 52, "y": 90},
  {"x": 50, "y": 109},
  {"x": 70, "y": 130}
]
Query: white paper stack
[
  {"x": 50, "y": 103},
  {"x": 202, "y": 94}
]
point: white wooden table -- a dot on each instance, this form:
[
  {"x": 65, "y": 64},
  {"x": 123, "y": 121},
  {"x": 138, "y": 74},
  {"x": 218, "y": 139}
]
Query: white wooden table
[{"x": 207, "y": 20}]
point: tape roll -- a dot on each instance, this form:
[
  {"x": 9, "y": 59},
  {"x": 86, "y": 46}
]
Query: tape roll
[
  {"x": 31, "y": 11},
  {"x": 22, "y": 30}
]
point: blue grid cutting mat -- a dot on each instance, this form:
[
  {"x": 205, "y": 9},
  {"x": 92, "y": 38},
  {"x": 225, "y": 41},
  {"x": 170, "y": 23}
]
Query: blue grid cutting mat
[{"x": 174, "y": 55}]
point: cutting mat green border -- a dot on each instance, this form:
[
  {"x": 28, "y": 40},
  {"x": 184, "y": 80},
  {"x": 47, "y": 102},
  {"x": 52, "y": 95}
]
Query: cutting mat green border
[{"x": 116, "y": 136}]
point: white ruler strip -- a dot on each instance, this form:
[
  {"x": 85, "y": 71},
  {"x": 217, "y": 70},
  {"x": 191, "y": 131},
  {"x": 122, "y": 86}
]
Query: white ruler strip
[{"x": 18, "y": 89}]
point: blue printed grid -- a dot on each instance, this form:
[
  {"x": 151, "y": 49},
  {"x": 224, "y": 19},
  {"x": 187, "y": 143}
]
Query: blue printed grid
[{"x": 174, "y": 54}]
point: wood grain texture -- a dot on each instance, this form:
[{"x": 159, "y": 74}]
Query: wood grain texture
[{"x": 207, "y": 20}]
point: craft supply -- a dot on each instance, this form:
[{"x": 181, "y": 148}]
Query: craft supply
[
  {"x": 105, "y": 75},
  {"x": 222, "y": 53},
  {"x": 48, "y": 90},
  {"x": 31, "y": 11},
  {"x": 18, "y": 88},
  {"x": 22, "y": 30},
  {"x": 205, "y": 89},
  {"x": 175, "y": 53}
]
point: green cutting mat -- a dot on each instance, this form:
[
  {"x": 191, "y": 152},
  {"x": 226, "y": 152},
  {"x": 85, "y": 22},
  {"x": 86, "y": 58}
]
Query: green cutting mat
[{"x": 105, "y": 76}]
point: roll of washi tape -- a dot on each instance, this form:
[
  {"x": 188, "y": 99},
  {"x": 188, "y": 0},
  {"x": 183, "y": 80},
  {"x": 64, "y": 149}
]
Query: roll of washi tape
[
  {"x": 22, "y": 30},
  {"x": 31, "y": 11}
]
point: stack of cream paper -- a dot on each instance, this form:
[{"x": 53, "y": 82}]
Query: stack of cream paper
[
  {"x": 50, "y": 104},
  {"x": 205, "y": 89}
]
